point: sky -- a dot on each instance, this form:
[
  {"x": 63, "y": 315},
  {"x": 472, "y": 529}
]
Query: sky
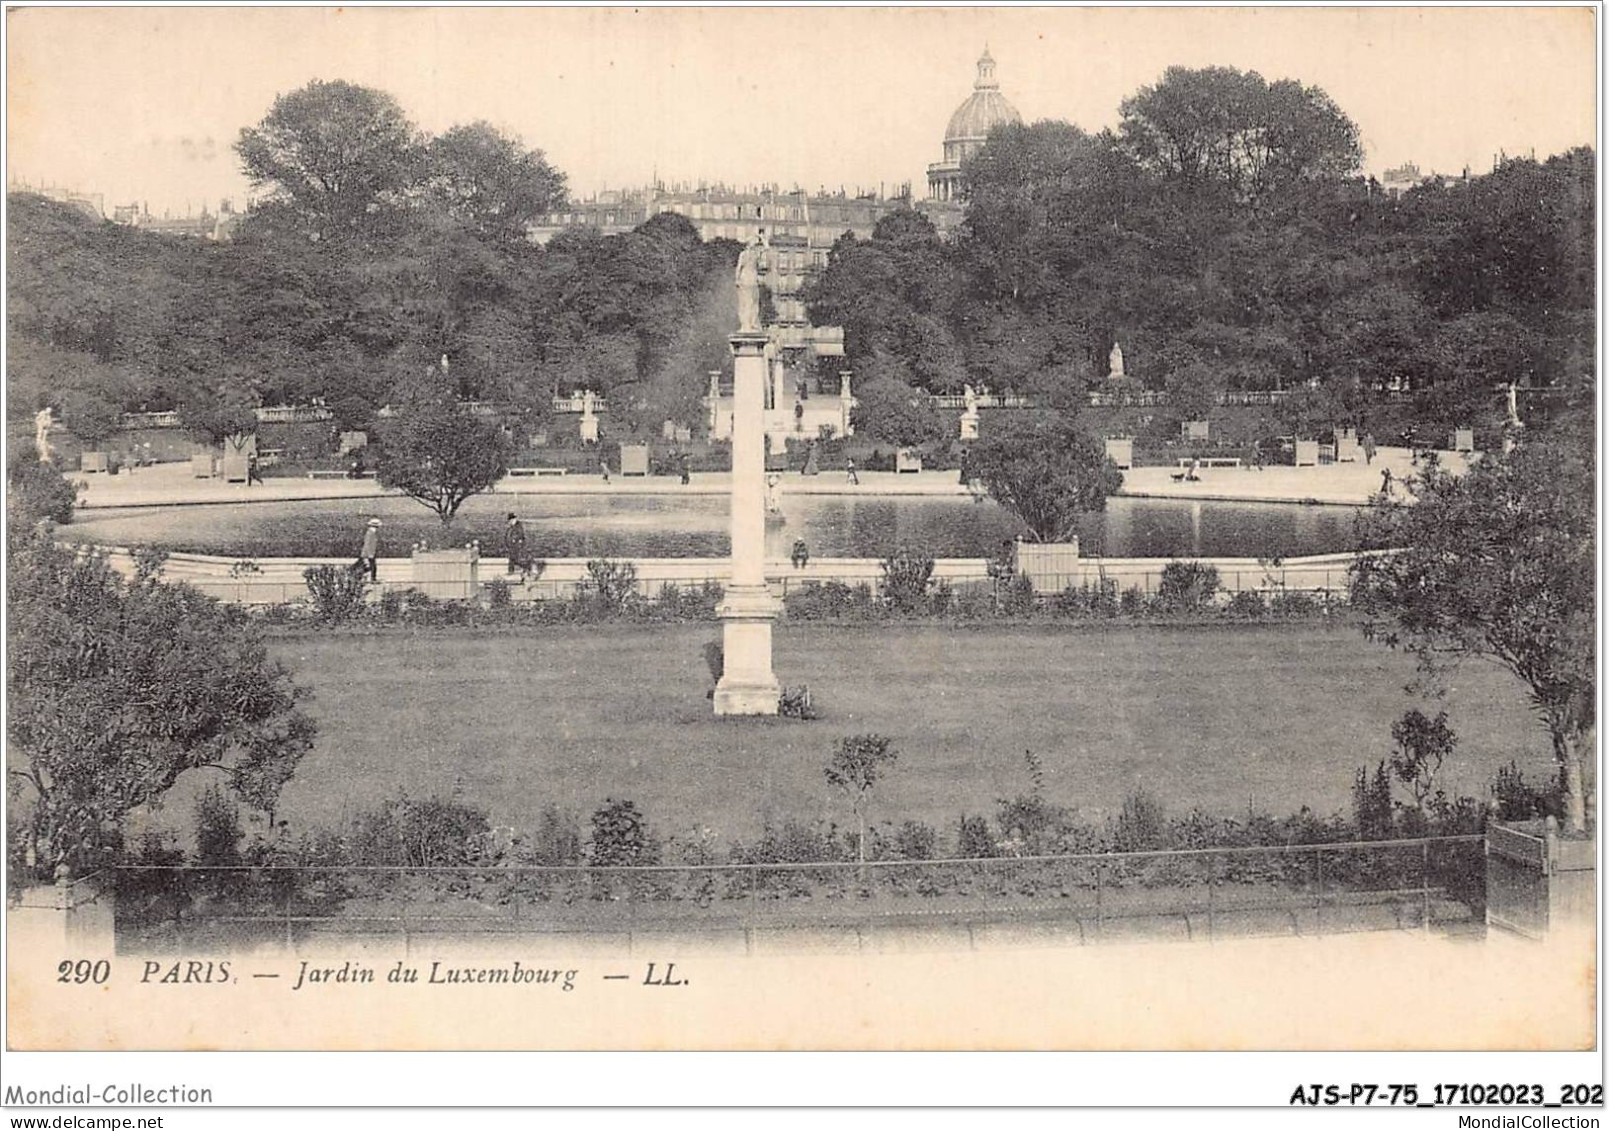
[{"x": 144, "y": 104}]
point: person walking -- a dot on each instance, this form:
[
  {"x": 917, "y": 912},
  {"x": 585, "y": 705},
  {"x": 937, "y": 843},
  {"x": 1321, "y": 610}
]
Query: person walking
[
  {"x": 603, "y": 466},
  {"x": 1385, "y": 483},
  {"x": 519, "y": 557},
  {"x": 1368, "y": 448},
  {"x": 254, "y": 473},
  {"x": 687, "y": 471},
  {"x": 849, "y": 467},
  {"x": 369, "y": 556}
]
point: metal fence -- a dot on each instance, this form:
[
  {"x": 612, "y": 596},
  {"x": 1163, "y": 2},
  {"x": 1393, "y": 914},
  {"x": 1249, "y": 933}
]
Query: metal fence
[{"x": 1196, "y": 894}]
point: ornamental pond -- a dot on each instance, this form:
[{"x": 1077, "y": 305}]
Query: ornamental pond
[{"x": 633, "y": 525}]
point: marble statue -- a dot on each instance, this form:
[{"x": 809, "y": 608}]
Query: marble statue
[
  {"x": 43, "y": 419},
  {"x": 748, "y": 286},
  {"x": 1115, "y": 361}
]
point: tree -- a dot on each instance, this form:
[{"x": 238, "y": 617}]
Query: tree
[
  {"x": 219, "y": 415},
  {"x": 1422, "y": 746},
  {"x": 490, "y": 183},
  {"x": 334, "y": 157},
  {"x": 856, "y": 767},
  {"x": 90, "y": 416},
  {"x": 1047, "y": 473},
  {"x": 437, "y": 454},
  {"x": 117, "y": 688},
  {"x": 888, "y": 407},
  {"x": 1220, "y": 127},
  {"x": 1497, "y": 564}
]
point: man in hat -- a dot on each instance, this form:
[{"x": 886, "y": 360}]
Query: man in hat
[
  {"x": 369, "y": 556},
  {"x": 519, "y": 558}
]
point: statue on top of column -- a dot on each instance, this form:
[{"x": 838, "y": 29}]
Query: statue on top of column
[{"x": 748, "y": 285}]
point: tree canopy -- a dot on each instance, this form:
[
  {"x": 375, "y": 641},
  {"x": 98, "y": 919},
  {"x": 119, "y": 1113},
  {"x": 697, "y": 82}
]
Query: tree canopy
[
  {"x": 372, "y": 246},
  {"x": 1498, "y": 564},
  {"x": 1047, "y": 472},
  {"x": 117, "y": 688}
]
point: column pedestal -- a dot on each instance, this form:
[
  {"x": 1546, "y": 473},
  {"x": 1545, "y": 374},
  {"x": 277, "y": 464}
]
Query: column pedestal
[{"x": 748, "y": 685}]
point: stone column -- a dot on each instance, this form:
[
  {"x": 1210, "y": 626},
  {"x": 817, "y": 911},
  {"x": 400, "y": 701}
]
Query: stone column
[{"x": 748, "y": 686}]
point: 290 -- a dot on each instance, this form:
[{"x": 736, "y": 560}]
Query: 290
[{"x": 83, "y": 972}]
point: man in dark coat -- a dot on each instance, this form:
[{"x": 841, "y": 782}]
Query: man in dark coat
[{"x": 519, "y": 556}]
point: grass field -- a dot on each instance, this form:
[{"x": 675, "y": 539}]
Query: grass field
[{"x": 1276, "y": 716}]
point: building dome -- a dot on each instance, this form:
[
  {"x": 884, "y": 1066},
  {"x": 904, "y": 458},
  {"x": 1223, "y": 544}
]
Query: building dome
[{"x": 986, "y": 109}]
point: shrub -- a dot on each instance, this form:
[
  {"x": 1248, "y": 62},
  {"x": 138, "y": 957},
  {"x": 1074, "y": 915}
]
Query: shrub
[
  {"x": 37, "y": 491},
  {"x": 611, "y": 584},
  {"x": 1248, "y": 603},
  {"x": 973, "y": 840},
  {"x": 1372, "y": 811},
  {"x": 1518, "y": 800},
  {"x": 499, "y": 593},
  {"x": 689, "y": 604},
  {"x": 914, "y": 840},
  {"x": 1141, "y": 824},
  {"x": 391, "y": 603},
  {"x": 906, "y": 575},
  {"x": 1017, "y": 595},
  {"x": 1029, "y": 824},
  {"x": 218, "y": 831},
  {"x": 829, "y": 600},
  {"x": 436, "y": 832},
  {"x": 1295, "y": 605},
  {"x": 556, "y": 843},
  {"x": 1099, "y": 599},
  {"x": 795, "y": 703},
  {"x": 148, "y": 562},
  {"x": 792, "y": 843},
  {"x": 940, "y": 600},
  {"x": 337, "y": 591},
  {"x": 1133, "y": 601},
  {"x": 620, "y": 837},
  {"x": 1187, "y": 586}
]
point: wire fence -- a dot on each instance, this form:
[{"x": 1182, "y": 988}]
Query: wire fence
[{"x": 1318, "y": 889}]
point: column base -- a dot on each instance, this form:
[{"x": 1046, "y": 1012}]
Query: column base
[{"x": 747, "y": 686}]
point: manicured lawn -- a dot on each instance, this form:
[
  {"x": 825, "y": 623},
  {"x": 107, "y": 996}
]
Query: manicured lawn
[{"x": 1278, "y": 717}]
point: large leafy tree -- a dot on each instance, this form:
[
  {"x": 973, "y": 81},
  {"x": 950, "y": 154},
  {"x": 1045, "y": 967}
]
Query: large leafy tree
[
  {"x": 117, "y": 688},
  {"x": 489, "y": 183},
  {"x": 889, "y": 408},
  {"x": 1498, "y": 565},
  {"x": 338, "y": 160},
  {"x": 1047, "y": 472},
  {"x": 438, "y": 454},
  {"x": 1220, "y": 128}
]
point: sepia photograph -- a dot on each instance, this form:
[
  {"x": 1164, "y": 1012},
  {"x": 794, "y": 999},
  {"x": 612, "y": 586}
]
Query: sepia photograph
[{"x": 803, "y": 529}]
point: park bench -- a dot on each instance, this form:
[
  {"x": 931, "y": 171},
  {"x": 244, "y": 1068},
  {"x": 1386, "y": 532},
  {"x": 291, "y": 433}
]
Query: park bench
[
  {"x": 331, "y": 474},
  {"x": 268, "y": 457},
  {"x": 533, "y": 471},
  {"x": 1210, "y": 461}
]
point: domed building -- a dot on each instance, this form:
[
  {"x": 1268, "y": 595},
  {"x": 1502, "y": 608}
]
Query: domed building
[{"x": 969, "y": 128}]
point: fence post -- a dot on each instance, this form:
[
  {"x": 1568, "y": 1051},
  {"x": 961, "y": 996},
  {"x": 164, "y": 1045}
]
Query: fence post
[
  {"x": 1424, "y": 886},
  {"x": 1319, "y": 910},
  {"x": 749, "y": 908},
  {"x": 1100, "y": 929}
]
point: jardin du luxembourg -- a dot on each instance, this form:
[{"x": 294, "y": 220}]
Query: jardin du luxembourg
[{"x": 1055, "y": 494}]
